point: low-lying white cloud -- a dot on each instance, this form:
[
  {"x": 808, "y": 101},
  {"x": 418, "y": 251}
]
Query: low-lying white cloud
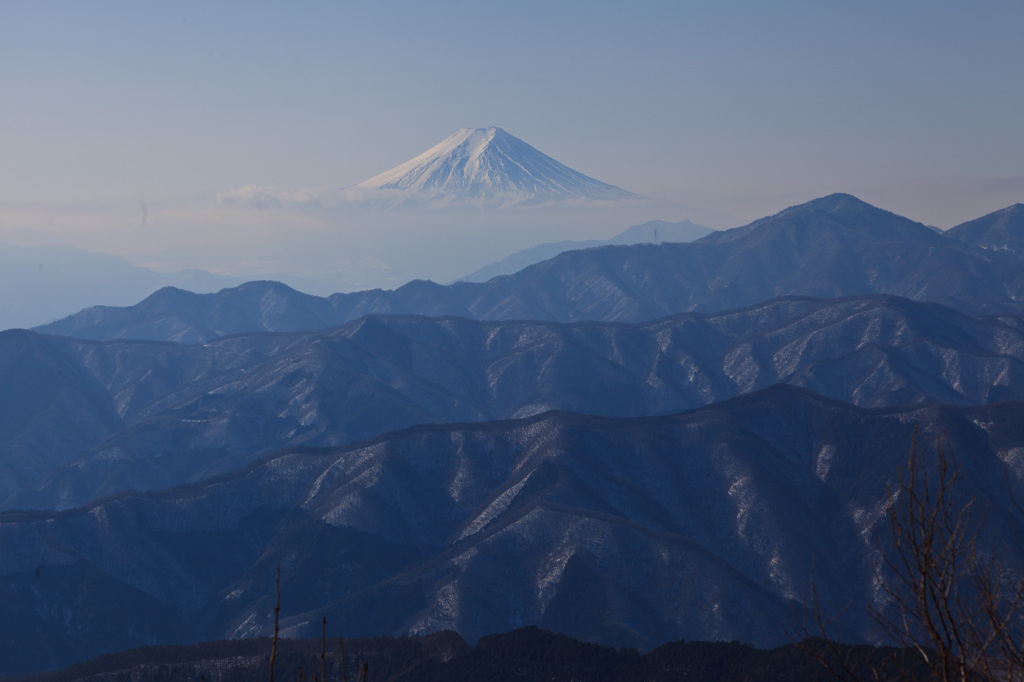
[{"x": 260, "y": 196}]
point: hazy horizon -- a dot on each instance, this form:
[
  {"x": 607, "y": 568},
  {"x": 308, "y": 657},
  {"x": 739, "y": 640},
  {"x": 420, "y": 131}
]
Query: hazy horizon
[{"x": 126, "y": 122}]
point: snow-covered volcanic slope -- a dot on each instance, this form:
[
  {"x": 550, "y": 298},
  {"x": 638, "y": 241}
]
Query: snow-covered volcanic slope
[{"x": 487, "y": 166}]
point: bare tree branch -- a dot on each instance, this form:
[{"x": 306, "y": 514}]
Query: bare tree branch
[{"x": 960, "y": 613}]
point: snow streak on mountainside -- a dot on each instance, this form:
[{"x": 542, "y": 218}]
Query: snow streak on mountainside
[
  {"x": 487, "y": 166},
  {"x": 703, "y": 525}
]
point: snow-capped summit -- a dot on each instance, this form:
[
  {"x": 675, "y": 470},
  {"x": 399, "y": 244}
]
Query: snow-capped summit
[{"x": 487, "y": 166}]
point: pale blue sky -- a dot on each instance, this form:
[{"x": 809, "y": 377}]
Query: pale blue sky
[{"x": 738, "y": 108}]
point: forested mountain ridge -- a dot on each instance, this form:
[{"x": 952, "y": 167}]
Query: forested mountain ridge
[
  {"x": 830, "y": 247},
  {"x": 703, "y": 525},
  {"x": 85, "y": 418}
]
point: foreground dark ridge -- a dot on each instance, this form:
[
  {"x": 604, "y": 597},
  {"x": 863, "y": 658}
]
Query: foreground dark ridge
[
  {"x": 526, "y": 654},
  {"x": 627, "y": 532},
  {"x": 82, "y": 419},
  {"x": 829, "y": 247}
]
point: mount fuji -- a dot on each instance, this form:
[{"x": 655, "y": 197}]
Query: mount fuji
[{"x": 485, "y": 167}]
